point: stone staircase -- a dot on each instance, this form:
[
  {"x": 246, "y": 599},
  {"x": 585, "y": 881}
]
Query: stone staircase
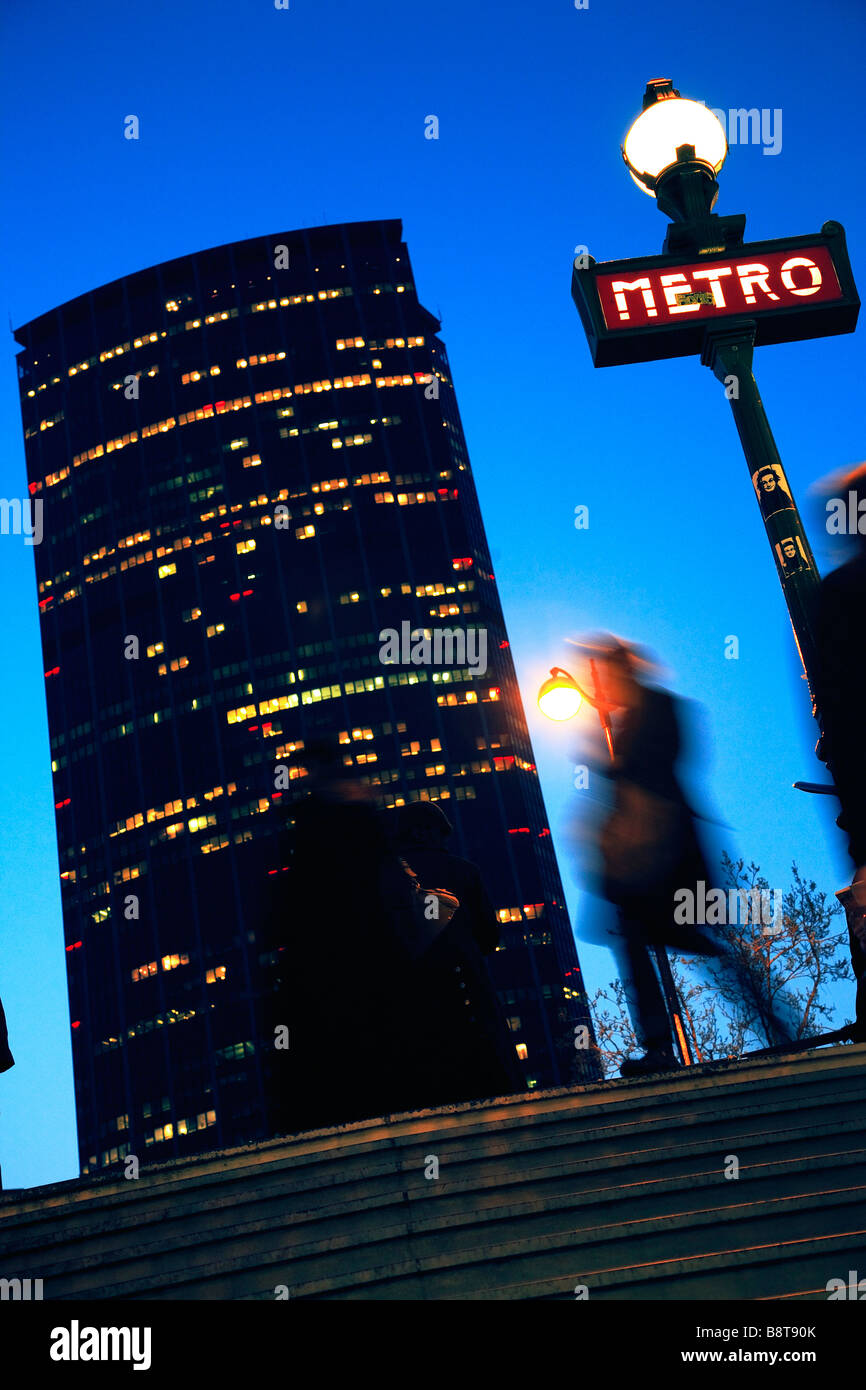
[{"x": 618, "y": 1189}]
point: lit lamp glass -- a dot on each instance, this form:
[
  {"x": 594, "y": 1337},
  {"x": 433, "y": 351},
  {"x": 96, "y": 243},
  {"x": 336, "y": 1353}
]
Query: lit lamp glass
[
  {"x": 559, "y": 697},
  {"x": 650, "y": 148}
]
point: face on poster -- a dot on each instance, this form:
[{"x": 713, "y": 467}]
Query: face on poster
[
  {"x": 771, "y": 489},
  {"x": 792, "y": 555}
]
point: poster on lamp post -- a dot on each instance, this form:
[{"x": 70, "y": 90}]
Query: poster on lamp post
[{"x": 653, "y": 307}]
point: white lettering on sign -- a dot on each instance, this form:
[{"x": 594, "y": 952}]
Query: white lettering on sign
[
  {"x": 620, "y": 289},
  {"x": 674, "y": 296},
  {"x": 714, "y": 274},
  {"x": 636, "y": 296},
  {"x": 754, "y": 275},
  {"x": 788, "y": 279}
]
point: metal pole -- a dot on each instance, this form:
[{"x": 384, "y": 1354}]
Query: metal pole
[
  {"x": 728, "y": 353},
  {"x": 672, "y": 999}
]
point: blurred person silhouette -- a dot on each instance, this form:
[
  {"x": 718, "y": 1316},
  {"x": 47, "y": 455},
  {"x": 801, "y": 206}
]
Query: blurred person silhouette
[
  {"x": 467, "y": 1053},
  {"x": 344, "y": 965},
  {"x": 648, "y": 844},
  {"x": 840, "y": 698},
  {"x": 650, "y": 852}
]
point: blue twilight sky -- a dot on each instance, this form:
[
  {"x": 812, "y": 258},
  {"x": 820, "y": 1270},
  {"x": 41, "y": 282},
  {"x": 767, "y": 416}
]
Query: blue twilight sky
[{"x": 255, "y": 119}]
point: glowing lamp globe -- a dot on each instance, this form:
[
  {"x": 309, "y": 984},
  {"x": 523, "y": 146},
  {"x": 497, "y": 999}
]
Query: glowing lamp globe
[
  {"x": 665, "y": 125},
  {"x": 559, "y": 697}
]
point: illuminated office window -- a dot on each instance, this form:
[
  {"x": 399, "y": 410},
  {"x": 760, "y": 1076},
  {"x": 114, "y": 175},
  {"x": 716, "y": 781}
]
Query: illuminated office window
[{"x": 172, "y": 962}]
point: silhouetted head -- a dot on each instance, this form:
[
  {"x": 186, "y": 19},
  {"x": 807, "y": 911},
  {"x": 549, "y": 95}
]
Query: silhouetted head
[
  {"x": 328, "y": 778},
  {"x": 621, "y": 668},
  {"x": 424, "y": 823},
  {"x": 322, "y": 758}
]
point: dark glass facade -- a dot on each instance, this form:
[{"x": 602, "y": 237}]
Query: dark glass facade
[{"x": 251, "y": 463}]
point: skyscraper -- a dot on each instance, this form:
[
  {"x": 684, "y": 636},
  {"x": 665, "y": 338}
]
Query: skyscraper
[{"x": 250, "y": 465}]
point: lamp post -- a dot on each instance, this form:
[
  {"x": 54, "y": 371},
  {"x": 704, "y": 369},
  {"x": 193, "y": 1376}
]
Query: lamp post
[
  {"x": 559, "y": 699},
  {"x": 710, "y": 293},
  {"x": 673, "y": 151}
]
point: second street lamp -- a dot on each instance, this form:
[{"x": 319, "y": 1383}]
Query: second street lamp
[{"x": 560, "y": 697}]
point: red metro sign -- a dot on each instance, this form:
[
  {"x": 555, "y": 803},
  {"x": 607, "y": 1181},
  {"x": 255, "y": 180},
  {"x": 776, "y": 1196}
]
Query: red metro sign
[
  {"x": 744, "y": 286},
  {"x": 639, "y": 310}
]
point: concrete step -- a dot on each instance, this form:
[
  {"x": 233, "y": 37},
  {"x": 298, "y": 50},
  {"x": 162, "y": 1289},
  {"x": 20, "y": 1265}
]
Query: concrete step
[{"x": 619, "y": 1187}]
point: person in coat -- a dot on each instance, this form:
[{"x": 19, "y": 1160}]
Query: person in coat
[
  {"x": 466, "y": 1052},
  {"x": 840, "y": 698},
  {"x": 651, "y": 852},
  {"x": 340, "y": 982}
]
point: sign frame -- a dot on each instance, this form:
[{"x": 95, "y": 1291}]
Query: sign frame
[{"x": 790, "y": 323}]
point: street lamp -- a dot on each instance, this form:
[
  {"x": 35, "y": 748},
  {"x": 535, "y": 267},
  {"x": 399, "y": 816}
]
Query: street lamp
[
  {"x": 560, "y": 697},
  {"x": 711, "y": 293},
  {"x": 674, "y": 150}
]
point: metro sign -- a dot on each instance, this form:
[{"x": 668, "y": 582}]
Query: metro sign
[{"x": 660, "y": 306}]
